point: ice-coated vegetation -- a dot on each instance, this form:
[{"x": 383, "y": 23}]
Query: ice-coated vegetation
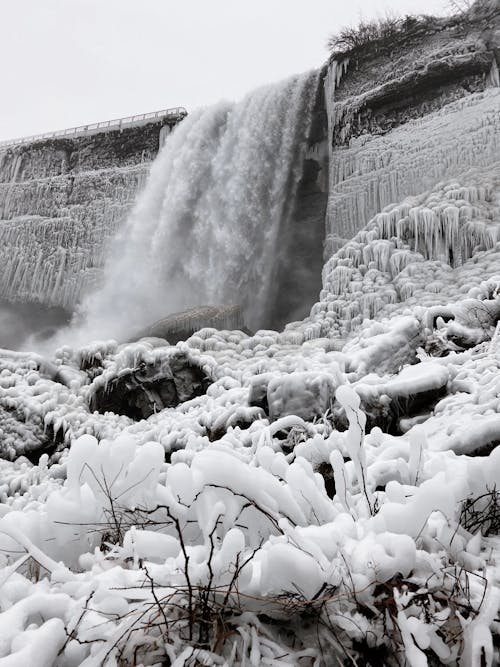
[{"x": 269, "y": 520}]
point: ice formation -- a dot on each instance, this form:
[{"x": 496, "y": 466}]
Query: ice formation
[
  {"x": 375, "y": 171},
  {"x": 327, "y": 494},
  {"x": 244, "y": 510},
  {"x": 430, "y": 248},
  {"x": 56, "y": 254}
]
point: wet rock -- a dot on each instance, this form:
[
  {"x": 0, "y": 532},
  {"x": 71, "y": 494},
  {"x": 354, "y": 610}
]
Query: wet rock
[
  {"x": 149, "y": 388},
  {"x": 180, "y": 326},
  {"x": 414, "y": 391}
]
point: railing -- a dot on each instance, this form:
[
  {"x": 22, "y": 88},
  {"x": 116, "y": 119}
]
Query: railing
[{"x": 175, "y": 114}]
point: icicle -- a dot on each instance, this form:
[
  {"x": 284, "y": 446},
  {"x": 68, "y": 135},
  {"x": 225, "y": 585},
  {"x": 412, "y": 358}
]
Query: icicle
[
  {"x": 374, "y": 172},
  {"x": 382, "y": 251}
]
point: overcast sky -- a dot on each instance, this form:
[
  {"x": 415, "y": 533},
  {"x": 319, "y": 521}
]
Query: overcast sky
[{"x": 72, "y": 62}]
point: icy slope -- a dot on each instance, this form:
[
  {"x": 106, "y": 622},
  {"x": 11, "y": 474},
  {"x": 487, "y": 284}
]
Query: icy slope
[
  {"x": 258, "y": 512},
  {"x": 376, "y": 171}
]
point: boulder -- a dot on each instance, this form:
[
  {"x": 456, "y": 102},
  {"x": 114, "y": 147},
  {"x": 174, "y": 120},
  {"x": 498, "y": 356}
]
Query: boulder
[
  {"x": 180, "y": 326},
  {"x": 412, "y": 392},
  {"x": 304, "y": 394},
  {"x": 149, "y": 388}
]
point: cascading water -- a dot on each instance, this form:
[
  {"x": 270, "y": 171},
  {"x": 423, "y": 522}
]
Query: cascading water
[{"x": 210, "y": 225}]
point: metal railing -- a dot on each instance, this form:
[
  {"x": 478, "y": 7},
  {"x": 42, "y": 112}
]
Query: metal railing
[{"x": 175, "y": 114}]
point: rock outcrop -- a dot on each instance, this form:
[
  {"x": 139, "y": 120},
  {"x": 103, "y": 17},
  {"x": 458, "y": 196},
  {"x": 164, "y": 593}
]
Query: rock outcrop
[
  {"x": 180, "y": 326},
  {"x": 149, "y": 388}
]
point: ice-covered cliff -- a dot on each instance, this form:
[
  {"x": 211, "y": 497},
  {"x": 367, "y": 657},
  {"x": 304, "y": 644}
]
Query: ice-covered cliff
[
  {"x": 378, "y": 155},
  {"x": 61, "y": 200},
  {"x": 413, "y": 182}
]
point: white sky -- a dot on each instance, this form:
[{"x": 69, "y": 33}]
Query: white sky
[{"x": 72, "y": 62}]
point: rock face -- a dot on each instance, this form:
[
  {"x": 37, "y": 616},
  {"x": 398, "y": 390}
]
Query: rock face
[
  {"x": 61, "y": 200},
  {"x": 141, "y": 392},
  {"x": 299, "y": 277},
  {"x": 381, "y": 89}
]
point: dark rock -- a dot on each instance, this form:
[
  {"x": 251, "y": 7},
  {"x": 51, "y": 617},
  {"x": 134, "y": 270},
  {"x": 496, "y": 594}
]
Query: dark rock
[
  {"x": 414, "y": 391},
  {"x": 389, "y": 415},
  {"x": 149, "y": 388},
  {"x": 326, "y": 471},
  {"x": 92, "y": 365},
  {"x": 180, "y": 326}
]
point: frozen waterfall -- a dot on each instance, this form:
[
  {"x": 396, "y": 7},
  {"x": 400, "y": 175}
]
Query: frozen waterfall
[{"x": 210, "y": 226}]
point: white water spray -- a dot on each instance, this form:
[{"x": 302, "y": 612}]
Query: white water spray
[{"x": 210, "y": 222}]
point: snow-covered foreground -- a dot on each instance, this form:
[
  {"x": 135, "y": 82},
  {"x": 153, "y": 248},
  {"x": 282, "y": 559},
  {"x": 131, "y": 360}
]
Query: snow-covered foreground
[{"x": 261, "y": 522}]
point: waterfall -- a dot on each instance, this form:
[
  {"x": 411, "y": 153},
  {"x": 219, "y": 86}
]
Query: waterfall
[{"x": 210, "y": 225}]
